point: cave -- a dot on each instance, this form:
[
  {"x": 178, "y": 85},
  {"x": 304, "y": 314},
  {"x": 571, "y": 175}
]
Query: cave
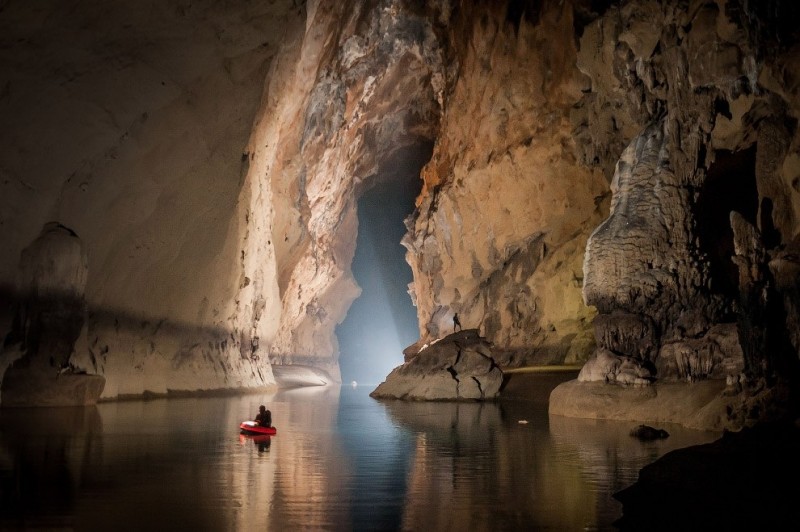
[
  {"x": 729, "y": 186},
  {"x": 382, "y": 321},
  {"x": 220, "y": 232},
  {"x": 198, "y": 198}
]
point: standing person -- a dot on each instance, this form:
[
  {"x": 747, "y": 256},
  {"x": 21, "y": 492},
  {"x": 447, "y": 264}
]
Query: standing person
[
  {"x": 456, "y": 322},
  {"x": 264, "y": 417}
]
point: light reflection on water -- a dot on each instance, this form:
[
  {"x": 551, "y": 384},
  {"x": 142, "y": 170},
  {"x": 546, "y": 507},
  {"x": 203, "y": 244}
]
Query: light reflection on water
[{"x": 340, "y": 461}]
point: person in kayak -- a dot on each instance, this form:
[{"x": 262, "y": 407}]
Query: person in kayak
[{"x": 264, "y": 417}]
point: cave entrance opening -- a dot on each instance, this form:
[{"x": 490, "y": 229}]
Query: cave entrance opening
[
  {"x": 730, "y": 185},
  {"x": 382, "y": 321}
]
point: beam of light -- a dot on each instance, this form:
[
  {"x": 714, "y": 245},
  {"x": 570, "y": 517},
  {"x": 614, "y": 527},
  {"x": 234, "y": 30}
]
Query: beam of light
[{"x": 382, "y": 322}]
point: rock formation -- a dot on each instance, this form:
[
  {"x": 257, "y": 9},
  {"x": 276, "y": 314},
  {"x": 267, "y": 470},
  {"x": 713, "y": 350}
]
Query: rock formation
[
  {"x": 701, "y": 198},
  {"x": 48, "y": 322},
  {"x": 646, "y": 433},
  {"x": 506, "y": 253},
  {"x": 458, "y": 367},
  {"x": 579, "y": 164},
  {"x": 127, "y": 122}
]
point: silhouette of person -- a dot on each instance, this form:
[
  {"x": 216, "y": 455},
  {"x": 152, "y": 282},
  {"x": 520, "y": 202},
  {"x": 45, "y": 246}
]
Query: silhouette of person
[
  {"x": 264, "y": 417},
  {"x": 456, "y": 322}
]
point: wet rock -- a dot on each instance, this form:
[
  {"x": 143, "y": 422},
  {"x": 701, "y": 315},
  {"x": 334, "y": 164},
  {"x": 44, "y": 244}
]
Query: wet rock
[{"x": 740, "y": 482}]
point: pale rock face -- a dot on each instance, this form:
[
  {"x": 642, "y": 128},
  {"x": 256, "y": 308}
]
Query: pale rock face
[
  {"x": 52, "y": 310},
  {"x": 605, "y": 366},
  {"x": 127, "y": 123},
  {"x": 354, "y": 92},
  {"x": 49, "y": 318}
]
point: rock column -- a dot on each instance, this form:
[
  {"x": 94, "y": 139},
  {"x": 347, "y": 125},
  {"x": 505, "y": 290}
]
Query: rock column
[{"x": 50, "y": 316}]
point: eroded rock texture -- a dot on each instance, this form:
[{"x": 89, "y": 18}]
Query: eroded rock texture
[
  {"x": 458, "y": 367},
  {"x": 347, "y": 102},
  {"x": 500, "y": 227},
  {"x": 681, "y": 284},
  {"x": 211, "y": 156}
]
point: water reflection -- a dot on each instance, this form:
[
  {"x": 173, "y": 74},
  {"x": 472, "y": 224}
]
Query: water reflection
[
  {"x": 510, "y": 466},
  {"x": 46, "y": 452},
  {"x": 340, "y": 461},
  {"x": 262, "y": 442}
]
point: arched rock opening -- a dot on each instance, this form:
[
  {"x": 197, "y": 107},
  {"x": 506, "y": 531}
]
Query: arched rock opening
[{"x": 382, "y": 321}]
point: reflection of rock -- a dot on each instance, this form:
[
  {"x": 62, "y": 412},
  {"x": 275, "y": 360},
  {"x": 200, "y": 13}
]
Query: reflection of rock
[
  {"x": 602, "y": 443},
  {"x": 700, "y": 405},
  {"x": 47, "y": 455},
  {"x": 20, "y": 425},
  {"x": 459, "y": 366},
  {"x": 475, "y": 423},
  {"x": 48, "y": 322},
  {"x": 646, "y": 432},
  {"x": 605, "y": 452}
]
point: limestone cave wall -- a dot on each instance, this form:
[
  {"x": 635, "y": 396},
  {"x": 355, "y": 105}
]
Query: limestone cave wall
[
  {"x": 500, "y": 228},
  {"x": 709, "y": 92},
  {"x": 585, "y": 160},
  {"x": 126, "y": 122}
]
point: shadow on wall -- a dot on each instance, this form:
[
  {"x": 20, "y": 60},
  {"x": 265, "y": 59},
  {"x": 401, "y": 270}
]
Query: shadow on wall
[{"x": 121, "y": 322}]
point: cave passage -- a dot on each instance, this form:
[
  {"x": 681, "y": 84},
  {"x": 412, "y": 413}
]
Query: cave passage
[
  {"x": 730, "y": 186},
  {"x": 382, "y": 321}
]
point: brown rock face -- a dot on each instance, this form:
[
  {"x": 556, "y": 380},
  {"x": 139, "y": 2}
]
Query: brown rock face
[
  {"x": 211, "y": 157},
  {"x": 457, "y": 367},
  {"x": 499, "y": 232}
]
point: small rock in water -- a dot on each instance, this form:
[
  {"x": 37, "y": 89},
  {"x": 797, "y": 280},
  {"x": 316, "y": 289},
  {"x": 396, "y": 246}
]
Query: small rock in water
[{"x": 646, "y": 432}]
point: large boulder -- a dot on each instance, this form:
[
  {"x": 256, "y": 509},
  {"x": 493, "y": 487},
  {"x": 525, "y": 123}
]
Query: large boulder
[{"x": 457, "y": 367}]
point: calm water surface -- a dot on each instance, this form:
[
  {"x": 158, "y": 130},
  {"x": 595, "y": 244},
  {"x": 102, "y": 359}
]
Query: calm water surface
[{"x": 340, "y": 461}]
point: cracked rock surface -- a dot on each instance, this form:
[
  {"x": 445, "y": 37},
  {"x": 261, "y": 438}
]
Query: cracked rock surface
[{"x": 457, "y": 367}]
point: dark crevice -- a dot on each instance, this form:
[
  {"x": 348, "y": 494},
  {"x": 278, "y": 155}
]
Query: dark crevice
[
  {"x": 729, "y": 186},
  {"x": 453, "y": 373},
  {"x": 479, "y": 385}
]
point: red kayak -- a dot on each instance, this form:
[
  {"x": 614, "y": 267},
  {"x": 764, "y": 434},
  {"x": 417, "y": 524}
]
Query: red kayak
[{"x": 253, "y": 428}]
